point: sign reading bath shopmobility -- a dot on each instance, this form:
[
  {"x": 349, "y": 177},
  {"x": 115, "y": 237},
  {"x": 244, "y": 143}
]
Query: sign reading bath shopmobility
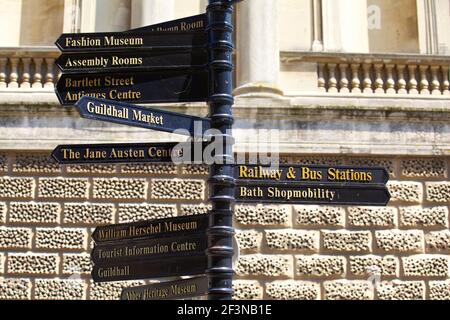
[
  {"x": 148, "y": 249},
  {"x": 128, "y": 152},
  {"x": 137, "y": 116},
  {"x": 311, "y": 193},
  {"x": 122, "y": 41},
  {"x": 168, "y": 227},
  {"x": 137, "y": 87},
  {"x": 169, "y": 290},
  {"x": 131, "y": 61},
  {"x": 313, "y": 173},
  {"x": 144, "y": 269}
]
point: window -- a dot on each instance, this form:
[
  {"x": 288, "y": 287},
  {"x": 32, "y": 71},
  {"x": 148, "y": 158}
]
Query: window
[
  {"x": 393, "y": 26},
  {"x": 30, "y": 22}
]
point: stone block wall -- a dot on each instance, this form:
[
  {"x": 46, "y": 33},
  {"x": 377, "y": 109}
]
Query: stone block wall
[{"x": 48, "y": 211}]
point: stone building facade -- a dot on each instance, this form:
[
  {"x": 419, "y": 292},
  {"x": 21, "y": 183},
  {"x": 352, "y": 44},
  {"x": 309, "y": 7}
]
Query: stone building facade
[{"x": 352, "y": 82}]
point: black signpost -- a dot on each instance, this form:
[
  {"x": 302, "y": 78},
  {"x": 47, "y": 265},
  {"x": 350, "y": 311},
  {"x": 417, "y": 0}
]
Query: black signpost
[{"x": 183, "y": 60}]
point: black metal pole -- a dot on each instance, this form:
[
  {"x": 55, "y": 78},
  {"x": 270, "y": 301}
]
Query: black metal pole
[{"x": 221, "y": 181}]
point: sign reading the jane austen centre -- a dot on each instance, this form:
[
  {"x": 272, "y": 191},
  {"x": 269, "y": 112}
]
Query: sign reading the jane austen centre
[{"x": 104, "y": 75}]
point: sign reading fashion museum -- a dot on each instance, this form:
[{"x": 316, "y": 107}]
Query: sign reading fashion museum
[{"x": 121, "y": 41}]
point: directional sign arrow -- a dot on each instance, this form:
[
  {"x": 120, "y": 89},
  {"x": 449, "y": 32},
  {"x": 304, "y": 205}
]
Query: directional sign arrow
[
  {"x": 121, "y": 41},
  {"x": 131, "y": 61},
  {"x": 149, "y": 249},
  {"x": 169, "y": 290},
  {"x": 136, "y": 87},
  {"x": 310, "y": 193},
  {"x": 312, "y": 173},
  {"x": 168, "y": 227},
  {"x": 183, "y": 152},
  {"x": 149, "y": 118},
  {"x": 185, "y": 266},
  {"x": 193, "y": 23}
]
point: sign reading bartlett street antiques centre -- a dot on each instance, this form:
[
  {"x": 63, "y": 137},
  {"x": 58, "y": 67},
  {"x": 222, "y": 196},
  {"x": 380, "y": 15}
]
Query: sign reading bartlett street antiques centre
[
  {"x": 180, "y": 289},
  {"x": 138, "y": 87},
  {"x": 149, "y": 118}
]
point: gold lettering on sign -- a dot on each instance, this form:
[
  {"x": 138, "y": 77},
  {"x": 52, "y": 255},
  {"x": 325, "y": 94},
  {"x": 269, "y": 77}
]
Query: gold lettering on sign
[
  {"x": 94, "y": 154},
  {"x": 82, "y": 42},
  {"x": 150, "y": 118},
  {"x": 259, "y": 172},
  {"x": 178, "y": 290},
  {"x": 113, "y": 272},
  {"x": 112, "y": 41},
  {"x": 181, "y": 226},
  {"x": 126, "y": 154},
  {"x": 116, "y": 61},
  {"x": 350, "y": 175},
  {"x": 86, "y": 63},
  {"x": 308, "y": 194}
]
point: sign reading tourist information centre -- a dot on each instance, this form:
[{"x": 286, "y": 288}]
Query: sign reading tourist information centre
[{"x": 183, "y": 60}]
